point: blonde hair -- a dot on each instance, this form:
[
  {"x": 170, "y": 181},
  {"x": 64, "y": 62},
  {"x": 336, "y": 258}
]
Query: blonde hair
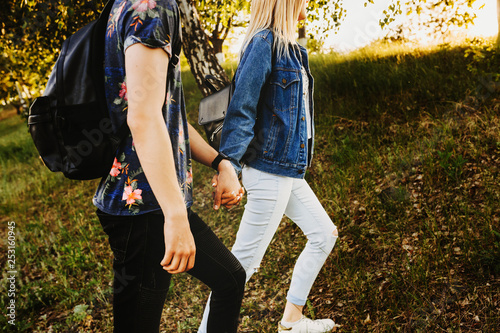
[{"x": 278, "y": 15}]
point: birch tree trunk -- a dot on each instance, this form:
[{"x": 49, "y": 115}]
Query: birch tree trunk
[
  {"x": 302, "y": 35},
  {"x": 198, "y": 51}
]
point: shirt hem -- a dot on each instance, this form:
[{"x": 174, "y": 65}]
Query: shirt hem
[{"x": 189, "y": 204}]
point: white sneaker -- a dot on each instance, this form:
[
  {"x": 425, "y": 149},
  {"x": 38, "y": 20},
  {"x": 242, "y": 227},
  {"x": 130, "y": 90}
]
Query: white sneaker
[{"x": 306, "y": 325}]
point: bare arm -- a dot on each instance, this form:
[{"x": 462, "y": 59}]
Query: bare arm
[
  {"x": 201, "y": 151},
  {"x": 146, "y": 71},
  {"x": 228, "y": 190}
]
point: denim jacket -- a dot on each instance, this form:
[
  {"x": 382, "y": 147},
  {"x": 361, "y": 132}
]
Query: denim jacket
[{"x": 265, "y": 126}]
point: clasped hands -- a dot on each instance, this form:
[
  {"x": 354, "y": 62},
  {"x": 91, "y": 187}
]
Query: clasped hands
[
  {"x": 228, "y": 191},
  {"x": 180, "y": 249}
]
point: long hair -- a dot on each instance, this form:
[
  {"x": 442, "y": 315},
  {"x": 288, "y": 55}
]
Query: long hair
[{"x": 280, "y": 16}]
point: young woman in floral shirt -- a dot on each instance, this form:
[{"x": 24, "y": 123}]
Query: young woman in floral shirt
[{"x": 144, "y": 203}]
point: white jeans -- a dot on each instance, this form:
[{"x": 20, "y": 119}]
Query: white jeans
[{"x": 268, "y": 198}]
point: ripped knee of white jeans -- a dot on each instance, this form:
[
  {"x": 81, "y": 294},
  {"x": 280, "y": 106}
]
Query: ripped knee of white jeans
[
  {"x": 330, "y": 241},
  {"x": 325, "y": 242}
]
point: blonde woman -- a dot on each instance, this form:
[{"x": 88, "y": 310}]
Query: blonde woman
[{"x": 268, "y": 135}]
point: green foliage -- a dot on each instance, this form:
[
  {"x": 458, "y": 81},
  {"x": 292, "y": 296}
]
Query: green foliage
[
  {"x": 482, "y": 61},
  {"x": 218, "y": 17},
  {"x": 217, "y": 14},
  {"x": 403, "y": 80},
  {"x": 32, "y": 32},
  {"x": 324, "y": 17},
  {"x": 80, "y": 312},
  {"x": 451, "y": 163},
  {"x": 437, "y": 17}
]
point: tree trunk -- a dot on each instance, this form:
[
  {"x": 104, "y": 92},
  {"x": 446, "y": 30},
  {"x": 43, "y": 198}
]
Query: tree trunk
[
  {"x": 217, "y": 44},
  {"x": 302, "y": 35},
  {"x": 198, "y": 51}
]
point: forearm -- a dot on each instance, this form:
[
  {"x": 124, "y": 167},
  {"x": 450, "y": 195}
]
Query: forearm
[
  {"x": 201, "y": 151},
  {"x": 235, "y": 143},
  {"x": 239, "y": 125},
  {"x": 154, "y": 149}
]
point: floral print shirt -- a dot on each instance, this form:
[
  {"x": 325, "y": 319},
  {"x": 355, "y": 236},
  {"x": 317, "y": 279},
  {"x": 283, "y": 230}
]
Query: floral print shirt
[{"x": 155, "y": 24}]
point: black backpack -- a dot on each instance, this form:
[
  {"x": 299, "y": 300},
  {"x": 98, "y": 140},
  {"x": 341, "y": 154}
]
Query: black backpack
[{"x": 70, "y": 123}]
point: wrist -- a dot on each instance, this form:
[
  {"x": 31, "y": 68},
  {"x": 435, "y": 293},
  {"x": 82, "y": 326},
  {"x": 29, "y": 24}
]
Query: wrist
[
  {"x": 175, "y": 212},
  {"x": 216, "y": 163},
  {"x": 225, "y": 165}
]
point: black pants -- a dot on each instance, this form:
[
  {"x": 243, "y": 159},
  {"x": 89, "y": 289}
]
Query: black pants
[{"x": 141, "y": 284}]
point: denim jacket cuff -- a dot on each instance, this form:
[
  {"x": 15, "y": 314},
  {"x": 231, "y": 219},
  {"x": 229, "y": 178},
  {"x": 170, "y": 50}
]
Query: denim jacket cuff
[{"x": 237, "y": 166}]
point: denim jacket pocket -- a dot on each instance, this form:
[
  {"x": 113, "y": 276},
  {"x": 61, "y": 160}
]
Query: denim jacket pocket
[{"x": 285, "y": 85}]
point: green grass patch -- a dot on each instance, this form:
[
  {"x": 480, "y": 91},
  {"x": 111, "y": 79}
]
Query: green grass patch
[{"x": 407, "y": 164}]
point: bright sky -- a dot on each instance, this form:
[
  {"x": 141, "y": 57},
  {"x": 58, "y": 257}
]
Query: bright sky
[{"x": 360, "y": 25}]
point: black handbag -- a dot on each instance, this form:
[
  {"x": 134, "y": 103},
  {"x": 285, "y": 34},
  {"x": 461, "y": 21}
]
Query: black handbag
[{"x": 212, "y": 111}]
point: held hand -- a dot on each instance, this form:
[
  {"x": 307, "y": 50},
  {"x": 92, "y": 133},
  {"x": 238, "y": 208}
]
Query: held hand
[
  {"x": 228, "y": 199},
  {"x": 180, "y": 249},
  {"x": 228, "y": 191}
]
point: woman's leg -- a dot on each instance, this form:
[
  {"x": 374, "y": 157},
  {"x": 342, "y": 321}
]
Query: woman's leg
[
  {"x": 306, "y": 211},
  {"x": 267, "y": 198},
  {"x": 217, "y": 267},
  {"x": 140, "y": 283}
]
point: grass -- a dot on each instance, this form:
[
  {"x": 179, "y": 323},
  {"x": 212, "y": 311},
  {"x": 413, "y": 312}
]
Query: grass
[{"x": 407, "y": 165}]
